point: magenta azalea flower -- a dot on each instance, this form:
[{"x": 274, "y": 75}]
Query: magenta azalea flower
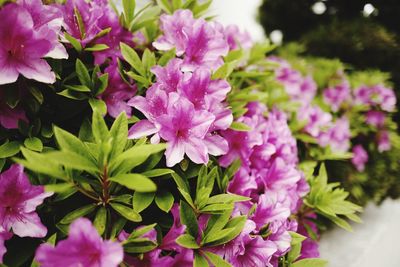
[
  {"x": 377, "y": 95},
  {"x": 360, "y": 157},
  {"x": 338, "y": 136},
  {"x": 90, "y": 13},
  {"x": 18, "y": 202},
  {"x": 117, "y": 34},
  {"x": 270, "y": 210},
  {"x": 24, "y": 45},
  {"x": 299, "y": 88},
  {"x": 47, "y": 22},
  {"x": 336, "y": 95},
  {"x": 187, "y": 98},
  {"x": 317, "y": 119},
  {"x": 184, "y": 129},
  {"x": 237, "y": 39},
  {"x": 199, "y": 42},
  {"x": 375, "y": 118},
  {"x": 247, "y": 250},
  {"x": 83, "y": 247},
  {"x": 4, "y": 235},
  {"x": 117, "y": 93}
]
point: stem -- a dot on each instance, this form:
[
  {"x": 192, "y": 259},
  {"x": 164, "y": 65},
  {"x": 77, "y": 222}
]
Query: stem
[
  {"x": 86, "y": 193},
  {"x": 106, "y": 186}
]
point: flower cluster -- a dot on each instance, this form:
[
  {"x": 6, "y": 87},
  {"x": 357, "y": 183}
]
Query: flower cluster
[
  {"x": 341, "y": 100},
  {"x": 155, "y": 131},
  {"x": 270, "y": 177},
  {"x": 185, "y": 106}
]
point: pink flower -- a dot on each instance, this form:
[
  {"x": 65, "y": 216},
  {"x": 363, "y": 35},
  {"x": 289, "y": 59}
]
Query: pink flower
[
  {"x": 177, "y": 229},
  {"x": 383, "y": 141},
  {"x": 117, "y": 93},
  {"x": 47, "y": 22},
  {"x": 247, "y": 250},
  {"x": 360, "y": 157},
  {"x": 83, "y": 247},
  {"x": 24, "y": 46},
  {"x": 18, "y": 202},
  {"x": 198, "y": 41},
  {"x": 377, "y": 95},
  {"x": 338, "y": 136},
  {"x": 4, "y": 235},
  {"x": 90, "y": 13},
  {"x": 202, "y": 91},
  {"x": 299, "y": 88},
  {"x": 317, "y": 119},
  {"x": 235, "y": 38},
  {"x": 375, "y": 118},
  {"x": 336, "y": 95},
  {"x": 117, "y": 34},
  {"x": 184, "y": 129},
  {"x": 174, "y": 93}
]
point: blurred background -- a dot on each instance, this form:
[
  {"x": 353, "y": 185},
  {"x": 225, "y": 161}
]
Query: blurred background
[{"x": 365, "y": 34}]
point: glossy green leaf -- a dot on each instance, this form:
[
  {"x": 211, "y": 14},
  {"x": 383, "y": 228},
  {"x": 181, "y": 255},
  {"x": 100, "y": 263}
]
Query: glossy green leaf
[{"x": 135, "y": 181}]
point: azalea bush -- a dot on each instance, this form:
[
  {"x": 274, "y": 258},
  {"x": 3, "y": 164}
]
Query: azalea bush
[{"x": 156, "y": 136}]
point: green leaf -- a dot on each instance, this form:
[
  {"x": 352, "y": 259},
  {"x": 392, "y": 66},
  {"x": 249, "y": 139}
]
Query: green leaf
[
  {"x": 294, "y": 252},
  {"x": 74, "y": 42},
  {"x": 78, "y": 88},
  {"x": 139, "y": 245},
  {"x": 81, "y": 25},
  {"x": 97, "y": 47},
  {"x": 83, "y": 74},
  {"x": 100, "y": 220},
  {"x": 101, "y": 84},
  {"x": 148, "y": 59},
  {"x": 216, "y": 260},
  {"x": 126, "y": 212},
  {"x": 119, "y": 132},
  {"x": 232, "y": 229},
  {"x": 199, "y": 261},
  {"x": 58, "y": 188},
  {"x": 240, "y": 126},
  {"x": 164, "y": 200},
  {"x": 188, "y": 218},
  {"x": 99, "y": 127},
  {"x": 141, "y": 201},
  {"x": 73, "y": 160},
  {"x": 187, "y": 241},
  {"x": 141, "y": 231},
  {"x": 135, "y": 181},
  {"x": 34, "y": 162},
  {"x": 134, "y": 157},
  {"x": 133, "y": 59},
  {"x": 165, "y": 5},
  {"x": 70, "y": 142},
  {"x": 85, "y": 210},
  {"x": 166, "y": 57},
  {"x": 224, "y": 71},
  {"x": 226, "y": 198},
  {"x": 9, "y": 149},
  {"x": 157, "y": 172},
  {"x": 296, "y": 238},
  {"x": 311, "y": 262},
  {"x": 216, "y": 208},
  {"x": 129, "y": 10},
  {"x": 98, "y": 104}
]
